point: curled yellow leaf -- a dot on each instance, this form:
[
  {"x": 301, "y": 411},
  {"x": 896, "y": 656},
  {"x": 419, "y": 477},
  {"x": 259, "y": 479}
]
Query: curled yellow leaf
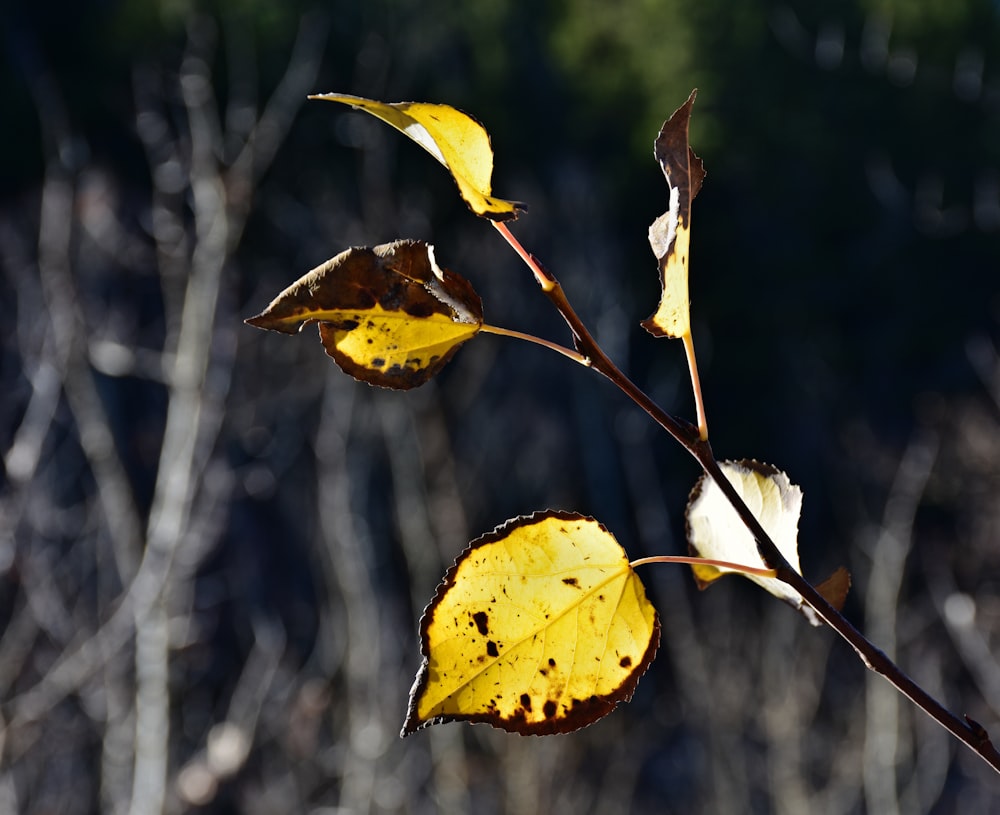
[
  {"x": 540, "y": 627},
  {"x": 454, "y": 138},
  {"x": 670, "y": 234},
  {"x": 388, "y": 315}
]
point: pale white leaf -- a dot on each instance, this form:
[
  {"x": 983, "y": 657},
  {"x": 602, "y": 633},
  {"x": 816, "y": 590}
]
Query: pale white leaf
[{"x": 715, "y": 530}]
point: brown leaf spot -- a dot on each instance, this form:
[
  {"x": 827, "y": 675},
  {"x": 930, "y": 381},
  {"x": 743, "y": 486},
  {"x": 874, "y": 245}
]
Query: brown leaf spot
[
  {"x": 526, "y": 702},
  {"x": 419, "y": 309},
  {"x": 626, "y": 662},
  {"x": 571, "y": 581},
  {"x": 482, "y": 623},
  {"x": 552, "y": 663},
  {"x": 343, "y": 325},
  {"x": 549, "y": 709},
  {"x": 491, "y": 649}
]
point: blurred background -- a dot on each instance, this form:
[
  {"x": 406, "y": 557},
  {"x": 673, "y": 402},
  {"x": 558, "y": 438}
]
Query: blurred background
[{"x": 215, "y": 546}]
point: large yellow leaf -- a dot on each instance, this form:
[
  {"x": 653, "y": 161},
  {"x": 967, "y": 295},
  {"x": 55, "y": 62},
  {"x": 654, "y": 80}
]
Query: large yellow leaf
[
  {"x": 388, "y": 315},
  {"x": 540, "y": 627},
  {"x": 454, "y": 138},
  {"x": 716, "y": 531},
  {"x": 670, "y": 234}
]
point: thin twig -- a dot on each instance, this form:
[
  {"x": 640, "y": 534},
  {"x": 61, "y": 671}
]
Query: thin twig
[
  {"x": 967, "y": 730},
  {"x": 545, "y": 280}
]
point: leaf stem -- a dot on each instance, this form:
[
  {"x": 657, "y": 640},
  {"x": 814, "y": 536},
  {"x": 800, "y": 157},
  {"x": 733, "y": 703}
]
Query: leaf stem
[
  {"x": 692, "y": 361},
  {"x": 692, "y": 439},
  {"x": 704, "y": 561},
  {"x": 508, "y": 332}
]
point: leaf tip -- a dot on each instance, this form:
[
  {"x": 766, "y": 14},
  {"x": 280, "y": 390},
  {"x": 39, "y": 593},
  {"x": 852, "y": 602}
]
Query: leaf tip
[
  {"x": 835, "y": 588},
  {"x": 270, "y": 320},
  {"x": 507, "y": 211},
  {"x": 413, "y": 722}
]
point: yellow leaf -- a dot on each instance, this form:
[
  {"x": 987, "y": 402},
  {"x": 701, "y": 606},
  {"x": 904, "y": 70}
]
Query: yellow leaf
[
  {"x": 715, "y": 530},
  {"x": 670, "y": 234},
  {"x": 388, "y": 315},
  {"x": 454, "y": 138},
  {"x": 540, "y": 627}
]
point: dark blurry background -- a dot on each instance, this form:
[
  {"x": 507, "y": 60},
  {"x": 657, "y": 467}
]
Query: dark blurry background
[{"x": 215, "y": 546}]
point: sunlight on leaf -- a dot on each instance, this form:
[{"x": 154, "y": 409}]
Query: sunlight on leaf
[
  {"x": 540, "y": 627},
  {"x": 715, "y": 530},
  {"x": 670, "y": 234},
  {"x": 454, "y": 138},
  {"x": 388, "y": 315}
]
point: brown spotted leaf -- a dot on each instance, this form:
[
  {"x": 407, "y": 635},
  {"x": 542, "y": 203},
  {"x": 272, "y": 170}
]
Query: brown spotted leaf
[
  {"x": 540, "y": 627},
  {"x": 670, "y": 234},
  {"x": 388, "y": 315}
]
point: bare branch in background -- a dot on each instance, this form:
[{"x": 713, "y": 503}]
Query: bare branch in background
[
  {"x": 153, "y": 566},
  {"x": 883, "y": 755}
]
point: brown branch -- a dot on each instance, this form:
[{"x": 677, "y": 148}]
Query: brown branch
[{"x": 967, "y": 730}]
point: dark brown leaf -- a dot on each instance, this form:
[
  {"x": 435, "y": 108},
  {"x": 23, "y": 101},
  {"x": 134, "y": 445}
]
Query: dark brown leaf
[{"x": 388, "y": 315}]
